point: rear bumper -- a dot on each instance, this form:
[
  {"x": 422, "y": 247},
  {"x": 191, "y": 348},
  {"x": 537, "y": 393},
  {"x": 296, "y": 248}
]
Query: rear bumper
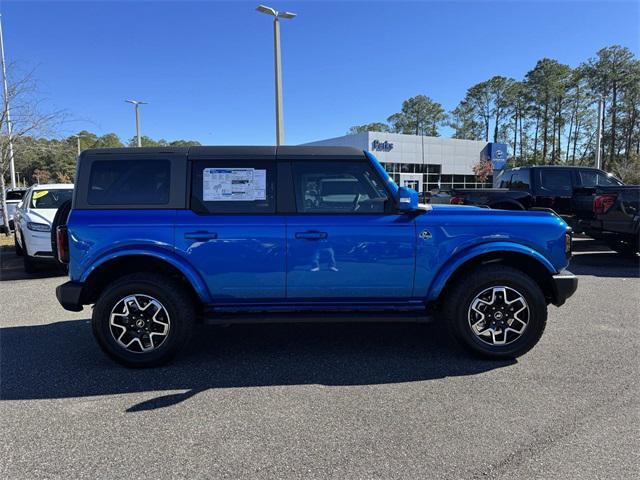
[
  {"x": 565, "y": 284},
  {"x": 70, "y": 296}
]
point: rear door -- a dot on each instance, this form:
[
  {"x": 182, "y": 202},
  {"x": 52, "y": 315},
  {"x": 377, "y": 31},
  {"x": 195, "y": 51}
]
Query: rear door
[
  {"x": 231, "y": 232},
  {"x": 344, "y": 242},
  {"x": 555, "y": 189}
]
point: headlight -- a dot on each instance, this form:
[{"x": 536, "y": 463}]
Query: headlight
[
  {"x": 38, "y": 227},
  {"x": 568, "y": 239}
]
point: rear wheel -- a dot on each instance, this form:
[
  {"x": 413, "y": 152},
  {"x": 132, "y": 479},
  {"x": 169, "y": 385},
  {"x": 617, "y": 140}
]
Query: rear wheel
[
  {"x": 143, "y": 320},
  {"x": 627, "y": 247},
  {"x": 496, "y": 311}
]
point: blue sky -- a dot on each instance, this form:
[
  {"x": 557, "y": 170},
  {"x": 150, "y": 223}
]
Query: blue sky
[{"x": 207, "y": 67}]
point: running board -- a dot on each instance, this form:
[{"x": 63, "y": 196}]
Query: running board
[{"x": 218, "y": 318}]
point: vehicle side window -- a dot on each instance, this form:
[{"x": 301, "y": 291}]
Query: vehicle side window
[
  {"x": 593, "y": 178},
  {"x": 337, "y": 187},
  {"x": 134, "y": 182},
  {"x": 237, "y": 186},
  {"x": 520, "y": 180},
  {"x": 505, "y": 180},
  {"x": 555, "y": 182}
]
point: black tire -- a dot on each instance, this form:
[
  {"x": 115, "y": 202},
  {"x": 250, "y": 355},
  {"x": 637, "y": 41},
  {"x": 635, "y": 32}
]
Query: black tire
[
  {"x": 60, "y": 219},
  {"x": 457, "y": 310},
  {"x": 28, "y": 262},
  {"x": 507, "y": 206},
  {"x": 626, "y": 247},
  {"x": 17, "y": 246},
  {"x": 171, "y": 294}
]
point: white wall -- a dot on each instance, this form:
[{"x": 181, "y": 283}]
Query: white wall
[{"x": 456, "y": 156}]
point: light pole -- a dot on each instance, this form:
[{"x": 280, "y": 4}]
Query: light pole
[
  {"x": 278, "y": 65},
  {"x": 78, "y": 137},
  {"x": 137, "y": 104},
  {"x": 599, "y": 135},
  {"x": 12, "y": 166}
]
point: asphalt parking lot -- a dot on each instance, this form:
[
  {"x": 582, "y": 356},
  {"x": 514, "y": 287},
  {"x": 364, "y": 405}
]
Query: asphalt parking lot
[{"x": 355, "y": 401}]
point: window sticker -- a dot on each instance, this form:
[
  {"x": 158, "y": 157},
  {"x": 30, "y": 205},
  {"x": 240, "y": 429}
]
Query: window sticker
[
  {"x": 234, "y": 184},
  {"x": 39, "y": 193}
]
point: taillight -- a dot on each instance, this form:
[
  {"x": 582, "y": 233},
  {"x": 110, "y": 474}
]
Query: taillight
[
  {"x": 456, "y": 201},
  {"x": 62, "y": 242},
  {"x": 602, "y": 203}
]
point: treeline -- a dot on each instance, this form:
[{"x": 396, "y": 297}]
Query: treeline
[
  {"x": 40, "y": 160},
  {"x": 548, "y": 117}
]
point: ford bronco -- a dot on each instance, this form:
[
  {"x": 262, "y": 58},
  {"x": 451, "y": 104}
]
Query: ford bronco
[{"x": 161, "y": 238}]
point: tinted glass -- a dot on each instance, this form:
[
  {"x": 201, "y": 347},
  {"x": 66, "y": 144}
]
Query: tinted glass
[
  {"x": 337, "y": 187},
  {"x": 15, "y": 194},
  {"x": 504, "y": 181},
  {"x": 238, "y": 186},
  {"x": 134, "y": 182},
  {"x": 554, "y": 181},
  {"x": 520, "y": 180},
  {"x": 594, "y": 178},
  {"x": 50, "y": 198}
]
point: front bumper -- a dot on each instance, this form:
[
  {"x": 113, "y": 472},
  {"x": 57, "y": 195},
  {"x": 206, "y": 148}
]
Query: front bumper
[
  {"x": 565, "y": 284},
  {"x": 69, "y": 295}
]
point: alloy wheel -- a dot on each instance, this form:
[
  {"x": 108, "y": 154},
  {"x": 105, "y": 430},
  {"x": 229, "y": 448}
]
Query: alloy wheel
[
  {"x": 498, "y": 315},
  {"x": 139, "y": 323}
]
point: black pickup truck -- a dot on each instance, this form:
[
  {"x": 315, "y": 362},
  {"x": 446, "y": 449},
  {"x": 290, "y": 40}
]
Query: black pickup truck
[
  {"x": 617, "y": 217},
  {"x": 568, "y": 191}
]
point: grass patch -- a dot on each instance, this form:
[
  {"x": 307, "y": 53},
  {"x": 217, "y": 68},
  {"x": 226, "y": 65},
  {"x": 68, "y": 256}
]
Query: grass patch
[{"x": 6, "y": 241}]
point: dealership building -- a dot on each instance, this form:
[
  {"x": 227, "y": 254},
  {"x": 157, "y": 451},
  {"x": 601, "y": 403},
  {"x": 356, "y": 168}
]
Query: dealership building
[{"x": 426, "y": 163}]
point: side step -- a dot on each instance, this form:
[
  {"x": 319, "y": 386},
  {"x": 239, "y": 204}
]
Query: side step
[{"x": 220, "y": 318}]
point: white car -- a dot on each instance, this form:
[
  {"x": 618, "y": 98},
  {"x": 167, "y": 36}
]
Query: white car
[
  {"x": 33, "y": 219},
  {"x": 13, "y": 198}
]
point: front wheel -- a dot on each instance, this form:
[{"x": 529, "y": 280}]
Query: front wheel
[
  {"x": 496, "y": 311},
  {"x": 16, "y": 245},
  {"x": 143, "y": 320}
]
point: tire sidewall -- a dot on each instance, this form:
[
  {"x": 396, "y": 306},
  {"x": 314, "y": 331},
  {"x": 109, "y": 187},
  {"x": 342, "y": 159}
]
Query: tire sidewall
[
  {"x": 178, "y": 330},
  {"x": 537, "y": 316}
]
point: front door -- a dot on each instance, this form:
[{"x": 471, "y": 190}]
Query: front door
[
  {"x": 345, "y": 243},
  {"x": 232, "y": 234}
]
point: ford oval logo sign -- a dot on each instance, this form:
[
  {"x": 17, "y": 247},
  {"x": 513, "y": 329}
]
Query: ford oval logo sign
[{"x": 379, "y": 146}]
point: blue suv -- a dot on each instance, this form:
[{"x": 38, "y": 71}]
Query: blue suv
[{"x": 160, "y": 239}]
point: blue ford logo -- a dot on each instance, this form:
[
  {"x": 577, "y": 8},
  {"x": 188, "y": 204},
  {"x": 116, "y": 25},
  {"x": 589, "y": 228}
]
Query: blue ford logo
[{"x": 379, "y": 146}]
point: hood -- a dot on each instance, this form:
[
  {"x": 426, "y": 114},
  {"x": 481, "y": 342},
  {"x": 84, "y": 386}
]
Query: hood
[
  {"x": 41, "y": 215},
  {"x": 473, "y": 211}
]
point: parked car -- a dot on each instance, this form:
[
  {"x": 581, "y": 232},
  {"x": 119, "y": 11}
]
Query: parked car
[
  {"x": 33, "y": 219},
  {"x": 159, "y": 239},
  {"x": 617, "y": 217},
  {"x": 566, "y": 190},
  {"x": 13, "y": 198}
]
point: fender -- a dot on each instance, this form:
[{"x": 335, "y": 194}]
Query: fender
[
  {"x": 160, "y": 254},
  {"x": 460, "y": 258}
]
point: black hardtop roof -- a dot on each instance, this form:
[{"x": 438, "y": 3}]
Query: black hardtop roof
[{"x": 301, "y": 152}]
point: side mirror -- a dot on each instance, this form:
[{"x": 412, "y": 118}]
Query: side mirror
[{"x": 407, "y": 199}]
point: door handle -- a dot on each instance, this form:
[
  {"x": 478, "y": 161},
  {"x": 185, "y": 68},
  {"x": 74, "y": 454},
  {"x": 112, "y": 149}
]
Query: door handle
[
  {"x": 311, "y": 235},
  {"x": 201, "y": 235}
]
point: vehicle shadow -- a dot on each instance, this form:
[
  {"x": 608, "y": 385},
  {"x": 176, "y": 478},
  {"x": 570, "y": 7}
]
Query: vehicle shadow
[
  {"x": 592, "y": 257},
  {"x": 62, "y": 360},
  {"x": 12, "y": 268}
]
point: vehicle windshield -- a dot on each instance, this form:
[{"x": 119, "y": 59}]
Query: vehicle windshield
[{"x": 50, "y": 198}]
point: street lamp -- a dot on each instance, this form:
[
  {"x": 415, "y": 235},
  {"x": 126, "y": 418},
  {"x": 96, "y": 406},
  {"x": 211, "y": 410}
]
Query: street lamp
[
  {"x": 78, "y": 137},
  {"x": 7, "y": 111},
  {"x": 137, "y": 104},
  {"x": 278, "y": 66}
]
